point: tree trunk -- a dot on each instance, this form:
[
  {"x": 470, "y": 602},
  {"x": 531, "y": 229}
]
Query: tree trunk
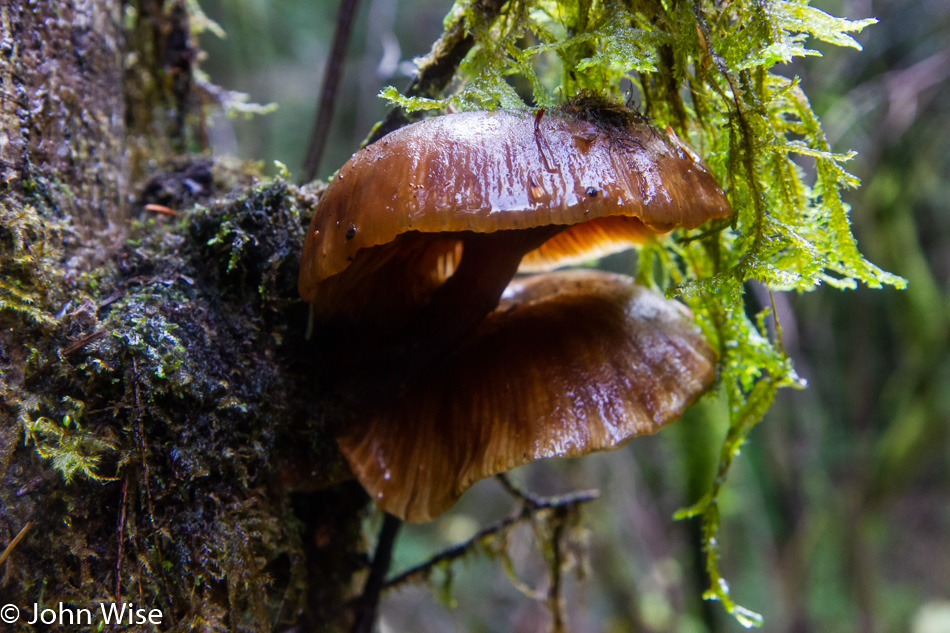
[
  {"x": 162, "y": 440},
  {"x": 63, "y": 109}
]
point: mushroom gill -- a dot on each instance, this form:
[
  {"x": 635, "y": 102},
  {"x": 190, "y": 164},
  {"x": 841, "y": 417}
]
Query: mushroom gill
[{"x": 569, "y": 363}]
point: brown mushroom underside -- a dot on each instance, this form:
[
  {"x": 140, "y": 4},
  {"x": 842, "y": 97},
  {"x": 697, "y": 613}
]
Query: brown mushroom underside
[
  {"x": 569, "y": 363},
  {"x": 413, "y": 242}
]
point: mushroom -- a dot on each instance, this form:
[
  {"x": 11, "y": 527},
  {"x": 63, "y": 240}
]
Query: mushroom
[
  {"x": 569, "y": 363},
  {"x": 410, "y": 250},
  {"x": 416, "y": 237}
]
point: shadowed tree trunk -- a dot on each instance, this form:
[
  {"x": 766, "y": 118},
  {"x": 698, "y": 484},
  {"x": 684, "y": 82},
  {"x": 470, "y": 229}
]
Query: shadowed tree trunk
[
  {"x": 157, "y": 411},
  {"x": 63, "y": 108}
]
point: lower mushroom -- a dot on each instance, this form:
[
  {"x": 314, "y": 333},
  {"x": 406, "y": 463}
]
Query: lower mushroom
[{"x": 569, "y": 363}]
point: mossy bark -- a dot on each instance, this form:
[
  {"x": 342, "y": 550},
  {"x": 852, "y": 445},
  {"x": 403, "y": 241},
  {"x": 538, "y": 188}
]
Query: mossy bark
[{"x": 157, "y": 405}]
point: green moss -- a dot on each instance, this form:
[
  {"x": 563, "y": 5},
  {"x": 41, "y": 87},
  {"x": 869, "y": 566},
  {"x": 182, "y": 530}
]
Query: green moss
[
  {"x": 70, "y": 448},
  {"x": 252, "y": 249},
  {"x": 709, "y": 71},
  {"x": 164, "y": 414},
  {"x": 26, "y": 273}
]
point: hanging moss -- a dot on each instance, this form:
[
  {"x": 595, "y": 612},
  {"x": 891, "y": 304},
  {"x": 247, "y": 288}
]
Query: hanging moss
[{"x": 708, "y": 70}]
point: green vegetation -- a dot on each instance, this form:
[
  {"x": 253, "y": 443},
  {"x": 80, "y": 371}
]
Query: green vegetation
[
  {"x": 162, "y": 438},
  {"x": 154, "y": 416}
]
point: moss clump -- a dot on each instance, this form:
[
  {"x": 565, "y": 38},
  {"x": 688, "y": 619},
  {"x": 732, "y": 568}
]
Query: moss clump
[
  {"x": 154, "y": 414},
  {"x": 253, "y": 252}
]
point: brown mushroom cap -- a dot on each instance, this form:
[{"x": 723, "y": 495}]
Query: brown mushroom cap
[
  {"x": 393, "y": 224},
  {"x": 569, "y": 363}
]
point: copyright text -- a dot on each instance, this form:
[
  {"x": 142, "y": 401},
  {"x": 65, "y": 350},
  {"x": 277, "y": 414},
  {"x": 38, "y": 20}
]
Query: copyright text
[{"x": 68, "y": 615}]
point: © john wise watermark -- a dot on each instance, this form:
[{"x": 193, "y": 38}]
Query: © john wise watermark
[{"x": 69, "y": 615}]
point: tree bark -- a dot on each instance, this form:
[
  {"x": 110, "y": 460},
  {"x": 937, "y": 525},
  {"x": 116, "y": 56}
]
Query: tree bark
[
  {"x": 62, "y": 108},
  {"x": 162, "y": 440}
]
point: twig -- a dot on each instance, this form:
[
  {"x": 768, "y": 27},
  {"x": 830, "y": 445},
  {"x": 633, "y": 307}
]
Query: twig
[
  {"x": 66, "y": 351},
  {"x": 140, "y": 428},
  {"x": 162, "y": 209},
  {"x": 118, "y": 559},
  {"x": 456, "y": 551},
  {"x": 140, "y": 431},
  {"x": 369, "y": 600},
  {"x": 438, "y": 67},
  {"x": 516, "y": 492},
  {"x": 555, "y": 604},
  {"x": 81, "y": 343},
  {"x": 328, "y": 91},
  {"x": 16, "y": 539}
]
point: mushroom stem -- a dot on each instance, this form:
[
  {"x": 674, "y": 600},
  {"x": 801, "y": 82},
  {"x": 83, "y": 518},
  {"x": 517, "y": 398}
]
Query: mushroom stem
[
  {"x": 455, "y": 309},
  {"x": 488, "y": 263}
]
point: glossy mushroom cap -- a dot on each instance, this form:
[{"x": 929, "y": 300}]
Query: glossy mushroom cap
[
  {"x": 399, "y": 216},
  {"x": 568, "y": 364}
]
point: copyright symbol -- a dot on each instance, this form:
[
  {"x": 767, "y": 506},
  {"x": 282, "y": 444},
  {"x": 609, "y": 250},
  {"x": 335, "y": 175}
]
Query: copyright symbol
[{"x": 9, "y": 613}]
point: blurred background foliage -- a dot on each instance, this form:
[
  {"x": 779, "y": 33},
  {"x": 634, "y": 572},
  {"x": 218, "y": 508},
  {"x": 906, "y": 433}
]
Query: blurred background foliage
[{"x": 837, "y": 514}]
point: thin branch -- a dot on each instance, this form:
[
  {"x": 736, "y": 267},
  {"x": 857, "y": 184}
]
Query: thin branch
[
  {"x": 121, "y": 538},
  {"x": 369, "y": 600},
  {"x": 527, "y": 511},
  {"x": 84, "y": 341},
  {"x": 66, "y": 351},
  {"x": 328, "y": 91},
  {"x": 16, "y": 539},
  {"x": 438, "y": 67},
  {"x": 555, "y": 604},
  {"x": 139, "y": 412},
  {"x": 516, "y": 492}
]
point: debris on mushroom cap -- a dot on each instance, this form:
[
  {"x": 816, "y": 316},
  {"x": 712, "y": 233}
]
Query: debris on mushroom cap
[
  {"x": 397, "y": 214},
  {"x": 568, "y": 364}
]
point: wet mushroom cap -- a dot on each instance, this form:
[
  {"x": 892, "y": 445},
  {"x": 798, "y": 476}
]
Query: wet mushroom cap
[
  {"x": 568, "y": 364},
  {"x": 392, "y": 225}
]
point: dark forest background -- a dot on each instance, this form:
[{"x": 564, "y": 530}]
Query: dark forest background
[{"x": 837, "y": 516}]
